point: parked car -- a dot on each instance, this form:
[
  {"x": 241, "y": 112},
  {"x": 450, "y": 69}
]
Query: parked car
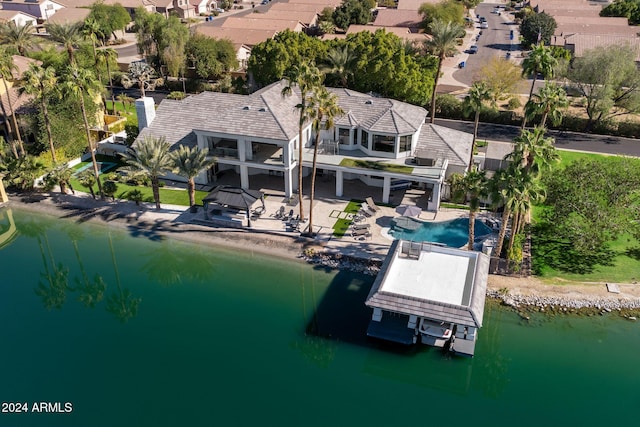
[
  {"x": 219, "y": 10},
  {"x": 484, "y": 25},
  {"x": 482, "y": 19},
  {"x": 265, "y": 2},
  {"x": 473, "y": 49}
]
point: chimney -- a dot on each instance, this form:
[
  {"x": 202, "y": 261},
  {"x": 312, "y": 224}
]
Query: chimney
[{"x": 146, "y": 111}]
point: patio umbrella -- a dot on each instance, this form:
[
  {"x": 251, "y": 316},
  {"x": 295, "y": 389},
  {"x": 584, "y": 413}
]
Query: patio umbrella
[{"x": 409, "y": 210}]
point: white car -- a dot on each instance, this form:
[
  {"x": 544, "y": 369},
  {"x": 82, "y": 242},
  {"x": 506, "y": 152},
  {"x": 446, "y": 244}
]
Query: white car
[{"x": 484, "y": 25}]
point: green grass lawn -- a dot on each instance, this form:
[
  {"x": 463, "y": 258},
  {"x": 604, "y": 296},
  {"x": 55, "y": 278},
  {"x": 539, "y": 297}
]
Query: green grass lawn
[
  {"x": 169, "y": 196},
  {"x": 625, "y": 268},
  {"x": 342, "y": 224},
  {"x": 381, "y": 166},
  {"x": 626, "y": 264}
]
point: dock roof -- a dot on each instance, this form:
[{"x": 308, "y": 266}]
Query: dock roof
[{"x": 431, "y": 281}]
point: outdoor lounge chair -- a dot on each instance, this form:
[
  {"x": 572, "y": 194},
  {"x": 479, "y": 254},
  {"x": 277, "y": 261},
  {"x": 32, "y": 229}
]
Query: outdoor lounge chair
[
  {"x": 361, "y": 233},
  {"x": 372, "y": 204},
  {"x": 288, "y": 217},
  {"x": 361, "y": 226},
  {"x": 279, "y": 213}
]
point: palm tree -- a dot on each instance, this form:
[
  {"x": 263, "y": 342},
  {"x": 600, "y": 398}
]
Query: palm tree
[
  {"x": 42, "y": 83},
  {"x": 323, "y": 107},
  {"x": 533, "y": 152},
  {"x": 549, "y": 101},
  {"x": 540, "y": 60},
  {"x": 20, "y": 38},
  {"x": 68, "y": 35},
  {"x": 7, "y": 67},
  {"x": 306, "y": 76},
  {"x": 107, "y": 56},
  {"x": 473, "y": 102},
  {"x": 91, "y": 30},
  {"x": 152, "y": 159},
  {"x": 475, "y": 187},
  {"x": 443, "y": 41},
  {"x": 87, "y": 179},
  {"x": 190, "y": 162},
  {"x": 78, "y": 83},
  {"x": 340, "y": 62}
]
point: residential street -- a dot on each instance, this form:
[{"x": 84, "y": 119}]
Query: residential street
[{"x": 605, "y": 144}]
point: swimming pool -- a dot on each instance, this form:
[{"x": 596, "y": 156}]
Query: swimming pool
[
  {"x": 102, "y": 167},
  {"x": 454, "y": 233}
]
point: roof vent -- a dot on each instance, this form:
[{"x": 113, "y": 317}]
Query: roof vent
[
  {"x": 368, "y": 102},
  {"x": 262, "y": 109},
  {"x": 246, "y": 107}
]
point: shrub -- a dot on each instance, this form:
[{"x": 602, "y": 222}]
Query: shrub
[
  {"x": 109, "y": 188},
  {"x": 449, "y": 106},
  {"x": 135, "y": 196},
  {"x": 176, "y": 95},
  {"x": 514, "y": 103}
]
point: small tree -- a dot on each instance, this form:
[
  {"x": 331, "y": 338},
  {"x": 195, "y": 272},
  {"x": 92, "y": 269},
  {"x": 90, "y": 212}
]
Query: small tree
[
  {"x": 87, "y": 179},
  {"x": 190, "y": 162},
  {"x": 473, "y": 102},
  {"x": 150, "y": 157},
  {"x": 110, "y": 188}
]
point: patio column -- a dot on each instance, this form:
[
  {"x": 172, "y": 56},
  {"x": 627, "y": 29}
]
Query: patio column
[
  {"x": 434, "y": 204},
  {"x": 339, "y": 184},
  {"x": 288, "y": 182},
  {"x": 242, "y": 152},
  {"x": 244, "y": 176},
  {"x": 386, "y": 189}
]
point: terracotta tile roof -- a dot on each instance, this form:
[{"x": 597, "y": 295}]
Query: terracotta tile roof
[
  {"x": 69, "y": 15},
  {"x": 580, "y": 43},
  {"x": 87, "y": 3},
  {"x": 262, "y": 24},
  {"x": 321, "y": 3},
  {"x": 591, "y": 20},
  {"x": 297, "y": 7},
  {"x": 398, "y": 18},
  {"x": 305, "y": 17},
  {"x": 401, "y": 32},
  {"x": 414, "y": 4},
  {"x": 578, "y": 28},
  {"x": 238, "y": 36},
  {"x": 563, "y": 11}
]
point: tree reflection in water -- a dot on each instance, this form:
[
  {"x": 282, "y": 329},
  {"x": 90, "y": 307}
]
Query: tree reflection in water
[
  {"x": 121, "y": 303},
  {"x": 91, "y": 291},
  {"x": 168, "y": 265},
  {"x": 54, "y": 283}
]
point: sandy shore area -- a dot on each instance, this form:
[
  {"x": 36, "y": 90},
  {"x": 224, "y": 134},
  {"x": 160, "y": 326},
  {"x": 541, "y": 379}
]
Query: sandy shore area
[{"x": 172, "y": 222}]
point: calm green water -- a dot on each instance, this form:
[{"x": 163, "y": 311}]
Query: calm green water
[{"x": 196, "y": 336}]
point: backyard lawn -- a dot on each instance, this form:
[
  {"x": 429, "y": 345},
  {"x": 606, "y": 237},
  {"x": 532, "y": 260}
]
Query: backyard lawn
[
  {"x": 167, "y": 195},
  {"x": 625, "y": 267}
]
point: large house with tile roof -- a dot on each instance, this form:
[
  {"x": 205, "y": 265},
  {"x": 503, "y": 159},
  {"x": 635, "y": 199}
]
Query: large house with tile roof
[{"x": 257, "y": 134}]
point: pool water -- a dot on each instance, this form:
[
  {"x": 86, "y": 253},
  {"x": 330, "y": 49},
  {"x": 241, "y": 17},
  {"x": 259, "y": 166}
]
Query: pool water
[
  {"x": 454, "y": 233},
  {"x": 102, "y": 167}
]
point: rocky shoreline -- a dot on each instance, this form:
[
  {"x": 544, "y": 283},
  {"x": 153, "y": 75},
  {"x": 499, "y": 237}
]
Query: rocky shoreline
[{"x": 588, "y": 304}]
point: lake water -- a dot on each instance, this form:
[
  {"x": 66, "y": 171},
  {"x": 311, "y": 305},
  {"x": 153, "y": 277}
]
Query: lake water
[{"x": 133, "y": 330}]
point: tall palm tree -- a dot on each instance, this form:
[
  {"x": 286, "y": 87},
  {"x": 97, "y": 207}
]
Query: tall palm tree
[
  {"x": 533, "y": 151},
  {"x": 42, "y": 83},
  {"x": 479, "y": 93},
  {"x": 78, "y": 83},
  {"x": 108, "y": 56},
  {"x": 91, "y": 30},
  {"x": 443, "y": 41},
  {"x": 549, "y": 101},
  {"x": 68, "y": 35},
  {"x": 21, "y": 38},
  {"x": 307, "y": 77},
  {"x": 539, "y": 61},
  {"x": 474, "y": 184},
  {"x": 190, "y": 162},
  {"x": 324, "y": 109},
  {"x": 7, "y": 67},
  {"x": 152, "y": 159},
  {"x": 340, "y": 62}
]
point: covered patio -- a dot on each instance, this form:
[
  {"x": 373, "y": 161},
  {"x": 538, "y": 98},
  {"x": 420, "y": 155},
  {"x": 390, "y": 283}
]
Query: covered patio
[{"x": 233, "y": 205}]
